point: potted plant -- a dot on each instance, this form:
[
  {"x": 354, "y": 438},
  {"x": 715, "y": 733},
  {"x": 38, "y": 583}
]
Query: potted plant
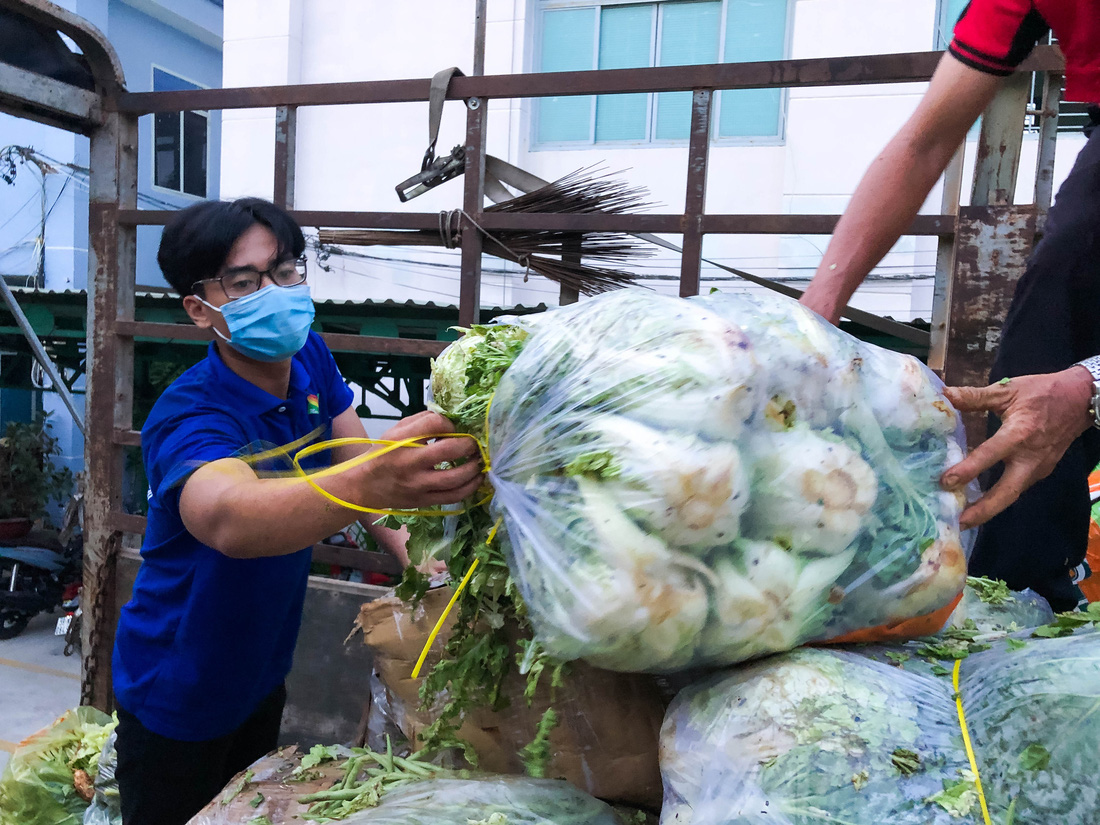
[{"x": 28, "y": 477}]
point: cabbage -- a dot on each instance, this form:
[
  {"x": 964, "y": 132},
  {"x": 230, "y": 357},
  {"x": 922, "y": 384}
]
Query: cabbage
[
  {"x": 821, "y": 737},
  {"x": 693, "y": 482},
  {"x": 812, "y": 492},
  {"x": 705, "y": 481}
]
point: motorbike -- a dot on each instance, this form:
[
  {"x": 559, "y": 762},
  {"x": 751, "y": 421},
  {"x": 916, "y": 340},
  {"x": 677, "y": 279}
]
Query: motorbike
[{"x": 42, "y": 576}]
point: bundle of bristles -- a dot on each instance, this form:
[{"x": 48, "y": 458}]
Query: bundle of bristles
[{"x": 588, "y": 263}]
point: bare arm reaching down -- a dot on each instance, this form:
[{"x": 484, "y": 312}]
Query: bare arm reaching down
[{"x": 897, "y": 182}]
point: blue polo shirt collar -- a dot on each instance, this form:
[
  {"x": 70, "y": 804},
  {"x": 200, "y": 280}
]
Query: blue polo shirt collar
[{"x": 248, "y": 398}]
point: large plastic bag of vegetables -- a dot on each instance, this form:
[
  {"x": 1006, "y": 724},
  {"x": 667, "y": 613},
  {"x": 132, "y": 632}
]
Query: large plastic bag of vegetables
[
  {"x": 493, "y": 801},
  {"x": 689, "y": 482},
  {"x": 50, "y": 777},
  {"x": 332, "y": 783},
  {"x": 990, "y": 606},
  {"x": 823, "y": 736}
]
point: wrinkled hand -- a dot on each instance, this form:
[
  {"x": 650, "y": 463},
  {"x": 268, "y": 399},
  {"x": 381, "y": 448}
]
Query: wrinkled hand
[
  {"x": 406, "y": 478},
  {"x": 1041, "y": 416}
]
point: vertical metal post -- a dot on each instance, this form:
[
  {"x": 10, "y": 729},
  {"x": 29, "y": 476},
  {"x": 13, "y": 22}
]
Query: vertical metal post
[
  {"x": 40, "y": 354},
  {"x": 286, "y": 136},
  {"x": 945, "y": 260},
  {"x": 571, "y": 252},
  {"x": 1048, "y": 137},
  {"x": 691, "y": 260},
  {"x": 473, "y": 200},
  {"x": 993, "y": 241},
  {"x": 109, "y": 400},
  {"x": 1000, "y": 144},
  {"x": 480, "y": 20}
]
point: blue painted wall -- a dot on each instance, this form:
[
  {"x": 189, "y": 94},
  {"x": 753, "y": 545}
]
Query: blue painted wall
[
  {"x": 21, "y": 207},
  {"x": 142, "y": 41}
]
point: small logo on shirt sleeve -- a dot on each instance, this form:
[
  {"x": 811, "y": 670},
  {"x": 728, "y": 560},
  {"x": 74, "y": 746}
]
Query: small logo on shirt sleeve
[{"x": 313, "y": 403}]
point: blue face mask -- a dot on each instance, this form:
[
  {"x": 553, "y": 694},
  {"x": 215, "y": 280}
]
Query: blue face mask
[{"x": 269, "y": 325}]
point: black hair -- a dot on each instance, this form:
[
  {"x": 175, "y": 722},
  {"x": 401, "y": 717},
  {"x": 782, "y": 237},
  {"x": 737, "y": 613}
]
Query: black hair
[{"x": 197, "y": 240}]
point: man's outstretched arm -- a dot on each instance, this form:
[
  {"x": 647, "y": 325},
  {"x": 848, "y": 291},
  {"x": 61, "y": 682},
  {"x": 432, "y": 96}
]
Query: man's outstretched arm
[{"x": 897, "y": 183}]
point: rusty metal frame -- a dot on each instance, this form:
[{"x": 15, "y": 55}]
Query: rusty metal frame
[
  {"x": 990, "y": 227},
  {"x": 32, "y": 96},
  {"x": 113, "y": 186}
]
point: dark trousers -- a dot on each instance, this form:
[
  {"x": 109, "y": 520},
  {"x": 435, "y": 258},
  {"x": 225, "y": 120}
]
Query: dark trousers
[
  {"x": 165, "y": 781},
  {"x": 1054, "y": 321}
]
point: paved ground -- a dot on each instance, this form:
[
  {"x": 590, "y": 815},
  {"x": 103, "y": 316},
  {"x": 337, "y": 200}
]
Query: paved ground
[{"x": 37, "y": 682}]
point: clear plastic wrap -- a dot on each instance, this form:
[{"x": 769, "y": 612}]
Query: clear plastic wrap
[
  {"x": 495, "y": 801},
  {"x": 49, "y": 779},
  {"x": 272, "y": 787},
  {"x": 991, "y": 607},
  {"x": 824, "y": 737},
  {"x": 699, "y": 482},
  {"x": 105, "y": 808}
]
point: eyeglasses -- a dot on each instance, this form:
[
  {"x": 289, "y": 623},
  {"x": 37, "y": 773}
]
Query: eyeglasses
[{"x": 244, "y": 280}]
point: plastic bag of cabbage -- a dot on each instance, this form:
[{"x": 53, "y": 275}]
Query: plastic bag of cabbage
[
  {"x": 990, "y": 607},
  {"x": 833, "y": 737},
  {"x": 688, "y": 482},
  {"x": 490, "y": 801}
]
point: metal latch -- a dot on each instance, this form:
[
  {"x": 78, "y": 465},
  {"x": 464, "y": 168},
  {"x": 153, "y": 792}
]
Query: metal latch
[{"x": 433, "y": 171}]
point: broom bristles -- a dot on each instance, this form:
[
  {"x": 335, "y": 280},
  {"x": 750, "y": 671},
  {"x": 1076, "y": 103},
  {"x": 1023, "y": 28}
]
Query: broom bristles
[{"x": 602, "y": 254}]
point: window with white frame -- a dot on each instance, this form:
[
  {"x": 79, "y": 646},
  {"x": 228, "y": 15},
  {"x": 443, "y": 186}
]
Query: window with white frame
[
  {"x": 579, "y": 35},
  {"x": 948, "y": 13},
  {"x": 180, "y": 142}
]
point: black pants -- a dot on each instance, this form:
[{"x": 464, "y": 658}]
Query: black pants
[
  {"x": 1054, "y": 321},
  {"x": 165, "y": 781}
]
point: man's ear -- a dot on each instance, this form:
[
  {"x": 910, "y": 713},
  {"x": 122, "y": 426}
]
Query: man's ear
[{"x": 198, "y": 312}]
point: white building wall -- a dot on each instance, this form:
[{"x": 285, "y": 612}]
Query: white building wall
[{"x": 351, "y": 157}]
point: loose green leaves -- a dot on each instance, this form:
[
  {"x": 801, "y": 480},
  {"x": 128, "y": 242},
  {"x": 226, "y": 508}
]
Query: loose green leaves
[
  {"x": 1035, "y": 757},
  {"x": 907, "y": 762}
]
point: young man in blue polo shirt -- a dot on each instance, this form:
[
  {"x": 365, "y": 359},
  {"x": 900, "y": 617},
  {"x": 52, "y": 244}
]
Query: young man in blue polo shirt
[{"x": 206, "y": 641}]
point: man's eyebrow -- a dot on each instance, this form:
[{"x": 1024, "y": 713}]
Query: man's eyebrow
[{"x": 233, "y": 270}]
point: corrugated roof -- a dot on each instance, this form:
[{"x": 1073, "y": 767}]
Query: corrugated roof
[{"x": 168, "y": 295}]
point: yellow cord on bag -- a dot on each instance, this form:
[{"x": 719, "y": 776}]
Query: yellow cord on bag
[
  {"x": 447, "y": 611},
  {"x": 285, "y": 450},
  {"x": 966, "y": 742},
  {"x": 387, "y": 447}
]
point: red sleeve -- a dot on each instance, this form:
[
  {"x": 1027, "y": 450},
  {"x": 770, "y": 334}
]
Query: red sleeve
[{"x": 994, "y": 36}]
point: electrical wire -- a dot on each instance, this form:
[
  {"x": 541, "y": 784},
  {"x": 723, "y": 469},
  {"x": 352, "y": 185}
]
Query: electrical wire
[
  {"x": 911, "y": 272},
  {"x": 19, "y": 211}
]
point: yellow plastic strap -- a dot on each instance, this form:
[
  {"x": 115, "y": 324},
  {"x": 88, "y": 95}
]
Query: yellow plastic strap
[
  {"x": 451, "y": 603},
  {"x": 966, "y": 742},
  {"x": 387, "y": 447},
  {"x": 285, "y": 451},
  {"x": 439, "y": 625}
]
